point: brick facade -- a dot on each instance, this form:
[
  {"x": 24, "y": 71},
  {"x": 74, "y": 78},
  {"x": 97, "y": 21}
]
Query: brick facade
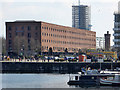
[{"x": 50, "y": 35}]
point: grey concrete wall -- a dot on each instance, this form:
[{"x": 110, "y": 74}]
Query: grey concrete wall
[{"x": 34, "y": 67}]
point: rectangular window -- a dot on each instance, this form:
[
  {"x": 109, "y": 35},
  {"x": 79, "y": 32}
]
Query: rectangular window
[
  {"x": 9, "y": 28},
  {"x": 36, "y": 28},
  {"x": 16, "y": 28},
  {"x": 29, "y": 35},
  {"x": 22, "y": 28},
  {"x": 10, "y": 41},
  {"x": 29, "y": 48},
  {"x": 10, "y": 35},
  {"x": 29, "y": 28},
  {"x": 29, "y": 41}
]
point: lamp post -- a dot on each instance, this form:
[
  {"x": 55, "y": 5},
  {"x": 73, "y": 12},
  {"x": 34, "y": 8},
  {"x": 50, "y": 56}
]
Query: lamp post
[{"x": 22, "y": 51}]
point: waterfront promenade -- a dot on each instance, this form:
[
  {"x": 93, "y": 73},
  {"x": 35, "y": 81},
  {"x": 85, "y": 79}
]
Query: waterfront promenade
[
  {"x": 28, "y": 60},
  {"x": 44, "y": 60}
]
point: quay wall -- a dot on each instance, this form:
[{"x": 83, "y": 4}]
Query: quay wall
[{"x": 50, "y": 67}]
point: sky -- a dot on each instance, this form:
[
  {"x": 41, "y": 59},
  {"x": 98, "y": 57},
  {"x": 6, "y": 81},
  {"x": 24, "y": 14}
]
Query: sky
[{"x": 59, "y": 12}]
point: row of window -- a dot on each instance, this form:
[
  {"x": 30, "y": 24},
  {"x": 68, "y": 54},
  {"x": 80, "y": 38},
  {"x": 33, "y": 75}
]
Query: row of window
[
  {"x": 117, "y": 32},
  {"x": 117, "y": 43},
  {"x": 65, "y": 31},
  {"x": 22, "y": 34},
  {"x": 117, "y": 37},
  {"x": 23, "y": 28},
  {"x": 48, "y": 28},
  {"x": 64, "y": 42},
  {"x": 67, "y": 37}
]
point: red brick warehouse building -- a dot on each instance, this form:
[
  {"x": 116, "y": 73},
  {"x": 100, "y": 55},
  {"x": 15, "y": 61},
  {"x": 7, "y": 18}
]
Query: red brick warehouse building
[{"x": 47, "y": 36}]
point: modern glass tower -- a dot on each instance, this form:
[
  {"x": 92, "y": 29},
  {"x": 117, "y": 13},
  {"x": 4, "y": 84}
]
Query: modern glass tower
[
  {"x": 117, "y": 29},
  {"x": 81, "y": 17}
]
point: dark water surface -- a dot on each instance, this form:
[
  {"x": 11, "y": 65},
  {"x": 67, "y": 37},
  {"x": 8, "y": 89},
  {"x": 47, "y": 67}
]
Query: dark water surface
[{"x": 43, "y": 81}]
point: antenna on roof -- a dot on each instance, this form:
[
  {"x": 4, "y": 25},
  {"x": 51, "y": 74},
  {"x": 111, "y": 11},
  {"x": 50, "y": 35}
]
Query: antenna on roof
[{"x": 79, "y": 2}]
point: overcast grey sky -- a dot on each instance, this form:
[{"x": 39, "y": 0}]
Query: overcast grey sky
[{"x": 58, "y": 12}]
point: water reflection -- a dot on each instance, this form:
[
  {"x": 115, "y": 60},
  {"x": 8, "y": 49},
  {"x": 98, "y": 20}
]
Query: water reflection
[{"x": 44, "y": 81}]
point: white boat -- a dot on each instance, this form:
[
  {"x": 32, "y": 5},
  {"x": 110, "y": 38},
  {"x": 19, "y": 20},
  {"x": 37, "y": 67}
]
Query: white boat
[
  {"x": 111, "y": 78},
  {"x": 95, "y": 77}
]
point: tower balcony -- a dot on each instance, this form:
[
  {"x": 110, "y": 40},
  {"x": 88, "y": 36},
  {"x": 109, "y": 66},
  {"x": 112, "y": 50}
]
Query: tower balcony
[
  {"x": 116, "y": 46},
  {"x": 116, "y": 29},
  {"x": 116, "y": 40},
  {"x": 116, "y": 34},
  {"x": 116, "y": 23}
]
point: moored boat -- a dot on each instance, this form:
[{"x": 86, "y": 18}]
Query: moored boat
[
  {"x": 112, "y": 79},
  {"x": 85, "y": 79},
  {"x": 92, "y": 77}
]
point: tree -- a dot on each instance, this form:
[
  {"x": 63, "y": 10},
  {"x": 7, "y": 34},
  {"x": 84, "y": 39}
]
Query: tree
[
  {"x": 50, "y": 51},
  {"x": 66, "y": 50},
  {"x": 80, "y": 52},
  {"x": 35, "y": 45},
  {"x": 25, "y": 46},
  {"x": 20, "y": 45},
  {"x": 3, "y": 46},
  {"x": 0, "y": 45}
]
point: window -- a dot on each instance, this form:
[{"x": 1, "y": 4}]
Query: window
[
  {"x": 36, "y": 28},
  {"x": 10, "y": 35},
  {"x": 16, "y": 28},
  {"x": 29, "y": 35},
  {"x": 29, "y": 48},
  {"x": 29, "y": 28},
  {"x": 10, "y": 48},
  {"x": 22, "y": 28},
  {"x": 29, "y": 41},
  {"x": 9, "y": 28},
  {"x": 10, "y": 41}
]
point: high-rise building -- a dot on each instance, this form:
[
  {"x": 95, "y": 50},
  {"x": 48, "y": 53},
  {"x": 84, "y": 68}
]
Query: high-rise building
[
  {"x": 81, "y": 17},
  {"x": 100, "y": 42},
  {"x": 107, "y": 41},
  {"x": 117, "y": 29}
]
